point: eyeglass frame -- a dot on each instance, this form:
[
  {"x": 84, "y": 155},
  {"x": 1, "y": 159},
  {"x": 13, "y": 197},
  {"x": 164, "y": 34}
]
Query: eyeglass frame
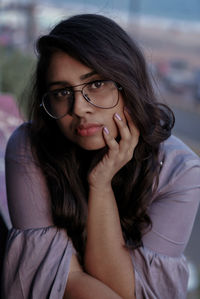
[{"x": 118, "y": 87}]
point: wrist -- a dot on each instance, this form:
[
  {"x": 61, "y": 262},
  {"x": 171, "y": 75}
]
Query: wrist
[{"x": 101, "y": 188}]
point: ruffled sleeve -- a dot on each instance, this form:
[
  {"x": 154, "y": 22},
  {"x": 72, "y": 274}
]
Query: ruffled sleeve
[
  {"x": 37, "y": 263},
  {"x": 159, "y": 276},
  {"x": 160, "y": 267},
  {"x": 38, "y": 254}
]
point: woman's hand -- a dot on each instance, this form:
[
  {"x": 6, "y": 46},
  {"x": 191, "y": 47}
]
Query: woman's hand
[{"x": 118, "y": 153}]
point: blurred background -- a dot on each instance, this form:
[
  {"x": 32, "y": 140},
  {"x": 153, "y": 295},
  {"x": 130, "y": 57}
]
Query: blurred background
[{"x": 168, "y": 33}]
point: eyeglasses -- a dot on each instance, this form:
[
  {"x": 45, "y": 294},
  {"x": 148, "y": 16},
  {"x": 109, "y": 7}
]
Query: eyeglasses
[{"x": 100, "y": 93}]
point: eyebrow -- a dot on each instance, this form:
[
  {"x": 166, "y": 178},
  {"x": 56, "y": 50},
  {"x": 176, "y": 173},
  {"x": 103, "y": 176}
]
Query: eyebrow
[
  {"x": 88, "y": 75},
  {"x": 82, "y": 77}
]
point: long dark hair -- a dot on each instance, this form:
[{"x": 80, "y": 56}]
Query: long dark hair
[{"x": 102, "y": 45}]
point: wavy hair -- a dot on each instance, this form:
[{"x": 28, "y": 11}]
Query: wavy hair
[{"x": 101, "y": 44}]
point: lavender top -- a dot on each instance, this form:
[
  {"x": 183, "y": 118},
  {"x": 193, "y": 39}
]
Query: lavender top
[{"x": 38, "y": 253}]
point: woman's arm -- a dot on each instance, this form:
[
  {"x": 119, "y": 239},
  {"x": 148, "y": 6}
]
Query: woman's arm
[
  {"x": 106, "y": 257},
  {"x": 80, "y": 285}
]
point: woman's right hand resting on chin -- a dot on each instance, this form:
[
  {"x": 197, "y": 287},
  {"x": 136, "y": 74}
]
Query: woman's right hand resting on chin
[{"x": 118, "y": 154}]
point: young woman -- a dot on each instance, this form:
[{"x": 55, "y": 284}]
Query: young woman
[{"x": 102, "y": 198}]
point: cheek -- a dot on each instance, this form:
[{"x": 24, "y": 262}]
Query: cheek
[
  {"x": 65, "y": 125},
  {"x": 113, "y": 128}
]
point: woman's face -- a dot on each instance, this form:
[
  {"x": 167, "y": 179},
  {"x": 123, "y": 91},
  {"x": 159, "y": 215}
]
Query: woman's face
[{"x": 85, "y": 122}]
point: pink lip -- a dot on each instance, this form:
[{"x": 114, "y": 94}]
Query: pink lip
[{"x": 88, "y": 129}]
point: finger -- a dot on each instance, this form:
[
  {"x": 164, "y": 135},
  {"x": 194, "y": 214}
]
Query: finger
[
  {"x": 123, "y": 131},
  {"x": 110, "y": 141},
  {"x": 130, "y": 122},
  {"x": 133, "y": 129},
  {"x": 129, "y": 136}
]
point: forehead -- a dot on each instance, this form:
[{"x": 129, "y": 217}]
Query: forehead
[{"x": 64, "y": 67}]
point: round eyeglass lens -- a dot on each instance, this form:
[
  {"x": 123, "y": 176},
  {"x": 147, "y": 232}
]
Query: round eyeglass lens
[
  {"x": 57, "y": 104},
  {"x": 103, "y": 94}
]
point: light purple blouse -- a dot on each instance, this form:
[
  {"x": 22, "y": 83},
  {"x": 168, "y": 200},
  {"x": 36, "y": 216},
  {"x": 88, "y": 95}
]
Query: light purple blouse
[{"x": 38, "y": 254}]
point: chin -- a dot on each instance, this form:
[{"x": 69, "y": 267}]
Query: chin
[{"x": 90, "y": 146}]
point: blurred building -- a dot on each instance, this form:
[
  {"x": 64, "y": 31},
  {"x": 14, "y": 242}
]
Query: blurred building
[{"x": 17, "y": 24}]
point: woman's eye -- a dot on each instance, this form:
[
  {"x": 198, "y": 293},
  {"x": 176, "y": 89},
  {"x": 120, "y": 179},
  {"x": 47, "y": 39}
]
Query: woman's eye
[
  {"x": 97, "y": 84},
  {"x": 62, "y": 93}
]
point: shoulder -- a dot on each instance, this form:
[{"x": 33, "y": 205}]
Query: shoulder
[
  {"x": 28, "y": 195},
  {"x": 19, "y": 142},
  {"x": 173, "y": 146},
  {"x": 177, "y": 160},
  {"x": 20, "y": 134}
]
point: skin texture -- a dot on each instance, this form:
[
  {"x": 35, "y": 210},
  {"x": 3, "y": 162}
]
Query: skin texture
[
  {"x": 80, "y": 285},
  {"x": 106, "y": 258}
]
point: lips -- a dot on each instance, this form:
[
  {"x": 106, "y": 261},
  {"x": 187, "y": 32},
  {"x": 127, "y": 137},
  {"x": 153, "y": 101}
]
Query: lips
[{"x": 88, "y": 129}]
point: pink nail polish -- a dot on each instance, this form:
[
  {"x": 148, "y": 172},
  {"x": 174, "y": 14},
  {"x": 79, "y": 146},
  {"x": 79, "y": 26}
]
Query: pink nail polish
[
  {"x": 106, "y": 130},
  {"x": 117, "y": 116}
]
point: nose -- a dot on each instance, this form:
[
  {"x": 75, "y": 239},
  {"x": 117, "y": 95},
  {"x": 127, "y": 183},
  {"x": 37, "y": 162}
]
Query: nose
[{"x": 80, "y": 106}]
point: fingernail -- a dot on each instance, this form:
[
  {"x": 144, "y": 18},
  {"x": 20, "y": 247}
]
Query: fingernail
[
  {"x": 117, "y": 116},
  {"x": 106, "y": 130}
]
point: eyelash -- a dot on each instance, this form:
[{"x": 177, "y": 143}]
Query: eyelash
[{"x": 69, "y": 87}]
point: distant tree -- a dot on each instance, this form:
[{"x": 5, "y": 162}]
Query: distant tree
[{"x": 16, "y": 68}]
